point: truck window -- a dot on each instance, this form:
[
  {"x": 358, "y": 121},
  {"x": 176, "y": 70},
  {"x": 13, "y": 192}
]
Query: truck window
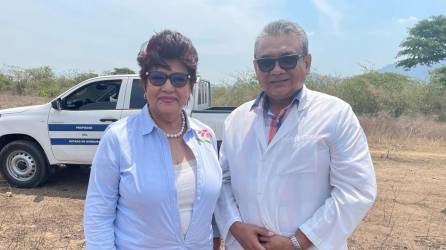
[
  {"x": 137, "y": 100},
  {"x": 102, "y": 95}
]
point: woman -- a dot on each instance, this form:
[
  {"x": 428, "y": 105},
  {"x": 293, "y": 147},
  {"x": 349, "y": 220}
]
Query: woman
[{"x": 155, "y": 178}]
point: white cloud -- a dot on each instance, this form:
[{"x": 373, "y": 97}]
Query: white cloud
[
  {"x": 407, "y": 21},
  {"x": 326, "y": 9}
]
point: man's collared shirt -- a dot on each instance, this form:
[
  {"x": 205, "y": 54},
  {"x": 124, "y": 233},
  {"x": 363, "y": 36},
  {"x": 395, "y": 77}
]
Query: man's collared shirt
[{"x": 274, "y": 121}]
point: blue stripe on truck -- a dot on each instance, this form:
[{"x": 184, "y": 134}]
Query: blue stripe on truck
[
  {"x": 74, "y": 141},
  {"x": 77, "y": 127}
]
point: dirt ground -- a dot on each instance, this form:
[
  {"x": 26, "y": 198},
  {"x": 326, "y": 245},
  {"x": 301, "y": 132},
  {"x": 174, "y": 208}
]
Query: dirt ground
[
  {"x": 410, "y": 210},
  {"x": 409, "y": 213}
]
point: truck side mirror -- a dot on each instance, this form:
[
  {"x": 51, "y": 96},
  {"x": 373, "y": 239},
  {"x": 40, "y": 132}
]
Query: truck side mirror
[{"x": 57, "y": 104}]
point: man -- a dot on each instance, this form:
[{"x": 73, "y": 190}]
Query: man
[{"x": 297, "y": 172}]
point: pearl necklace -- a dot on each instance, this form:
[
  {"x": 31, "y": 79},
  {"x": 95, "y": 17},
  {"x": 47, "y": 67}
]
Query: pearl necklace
[{"x": 181, "y": 132}]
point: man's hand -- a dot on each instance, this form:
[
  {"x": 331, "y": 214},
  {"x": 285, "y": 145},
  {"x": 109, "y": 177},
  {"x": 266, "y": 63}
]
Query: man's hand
[
  {"x": 276, "y": 242},
  {"x": 282, "y": 242},
  {"x": 217, "y": 243},
  {"x": 248, "y": 235}
]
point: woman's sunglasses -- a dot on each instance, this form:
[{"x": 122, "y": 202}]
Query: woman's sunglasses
[
  {"x": 286, "y": 62},
  {"x": 177, "y": 79}
]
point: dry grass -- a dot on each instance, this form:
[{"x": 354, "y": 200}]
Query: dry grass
[
  {"x": 10, "y": 101},
  {"x": 383, "y": 129}
]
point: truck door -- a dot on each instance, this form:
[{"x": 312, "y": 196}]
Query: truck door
[
  {"x": 134, "y": 99},
  {"x": 75, "y": 129}
]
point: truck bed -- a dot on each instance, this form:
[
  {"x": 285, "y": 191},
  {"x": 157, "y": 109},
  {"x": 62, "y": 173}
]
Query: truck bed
[
  {"x": 213, "y": 117},
  {"x": 215, "y": 110}
]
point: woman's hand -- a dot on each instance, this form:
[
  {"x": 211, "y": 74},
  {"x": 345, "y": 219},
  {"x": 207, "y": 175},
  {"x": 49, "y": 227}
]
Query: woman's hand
[{"x": 248, "y": 235}]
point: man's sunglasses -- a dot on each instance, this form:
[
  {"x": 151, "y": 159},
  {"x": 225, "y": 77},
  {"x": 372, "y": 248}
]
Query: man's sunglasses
[
  {"x": 286, "y": 62},
  {"x": 177, "y": 79}
]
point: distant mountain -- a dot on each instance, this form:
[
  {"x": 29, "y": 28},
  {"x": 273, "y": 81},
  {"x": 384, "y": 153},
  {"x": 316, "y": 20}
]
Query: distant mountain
[{"x": 420, "y": 72}]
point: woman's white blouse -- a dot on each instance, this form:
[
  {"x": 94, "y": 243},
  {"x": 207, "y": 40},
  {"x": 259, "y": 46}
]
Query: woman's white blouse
[
  {"x": 185, "y": 184},
  {"x": 132, "y": 197}
]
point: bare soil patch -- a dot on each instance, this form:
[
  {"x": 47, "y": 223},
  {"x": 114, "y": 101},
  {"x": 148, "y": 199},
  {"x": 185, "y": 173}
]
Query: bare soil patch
[
  {"x": 410, "y": 211},
  {"x": 48, "y": 217}
]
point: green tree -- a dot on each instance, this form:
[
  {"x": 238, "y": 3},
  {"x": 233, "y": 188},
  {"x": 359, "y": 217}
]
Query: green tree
[
  {"x": 39, "y": 79},
  {"x": 40, "y": 73},
  {"x": 324, "y": 83},
  {"x": 358, "y": 92},
  {"x": 20, "y": 79},
  {"x": 245, "y": 88},
  {"x": 438, "y": 75},
  {"x": 375, "y": 92},
  {"x": 80, "y": 77},
  {"x": 5, "y": 83},
  {"x": 28, "y": 81},
  {"x": 426, "y": 43},
  {"x": 436, "y": 93},
  {"x": 120, "y": 71}
]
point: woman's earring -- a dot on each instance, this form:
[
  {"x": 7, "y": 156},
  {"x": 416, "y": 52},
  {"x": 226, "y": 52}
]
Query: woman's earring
[{"x": 145, "y": 98}]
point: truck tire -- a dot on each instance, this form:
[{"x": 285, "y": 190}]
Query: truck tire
[{"x": 23, "y": 164}]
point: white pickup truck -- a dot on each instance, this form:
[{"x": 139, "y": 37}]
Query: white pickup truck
[{"x": 65, "y": 132}]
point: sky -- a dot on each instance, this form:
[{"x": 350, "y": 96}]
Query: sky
[{"x": 345, "y": 36}]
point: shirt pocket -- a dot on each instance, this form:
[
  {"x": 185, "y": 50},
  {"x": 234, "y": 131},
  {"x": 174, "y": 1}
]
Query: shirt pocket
[{"x": 304, "y": 154}]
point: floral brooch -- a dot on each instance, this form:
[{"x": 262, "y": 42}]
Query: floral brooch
[{"x": 203, "y": 136}]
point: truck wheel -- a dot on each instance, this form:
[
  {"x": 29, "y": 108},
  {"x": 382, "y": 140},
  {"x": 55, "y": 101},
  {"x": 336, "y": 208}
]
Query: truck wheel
[{"x": 23, "y": 164}]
